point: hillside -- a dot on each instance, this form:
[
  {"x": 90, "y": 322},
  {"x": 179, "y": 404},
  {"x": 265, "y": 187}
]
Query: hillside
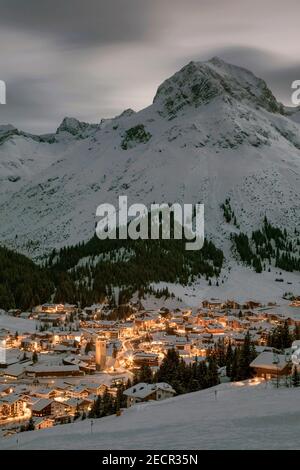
[
  {"x": 23, "y": 284},
  {"x": 240, "y": 417},
  {"x": 214, "y": 131}
]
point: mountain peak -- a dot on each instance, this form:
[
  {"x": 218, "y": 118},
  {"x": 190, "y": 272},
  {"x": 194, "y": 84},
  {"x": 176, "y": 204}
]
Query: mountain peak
[
  {"x": 72, "y": 126},
  {"x": 198, "y": 83}
]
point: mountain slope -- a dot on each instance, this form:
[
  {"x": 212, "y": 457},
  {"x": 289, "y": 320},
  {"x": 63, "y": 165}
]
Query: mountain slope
[
  {"x": 213, "y": 131},
  {"x": 18, "y": 276},
  {"x": 242, "y": 417}
]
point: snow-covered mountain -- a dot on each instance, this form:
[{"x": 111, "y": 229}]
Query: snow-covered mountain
[{"x": 214, "y": 131}]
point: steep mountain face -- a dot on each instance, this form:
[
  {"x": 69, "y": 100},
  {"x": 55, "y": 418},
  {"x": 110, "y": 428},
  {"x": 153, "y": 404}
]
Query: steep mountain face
[
  {"x": 213, "y": 131},
  {"x": 198, "y": 84}
]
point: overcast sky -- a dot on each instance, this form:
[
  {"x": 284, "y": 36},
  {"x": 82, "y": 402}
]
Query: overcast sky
[{"x": 93, "y": 58}]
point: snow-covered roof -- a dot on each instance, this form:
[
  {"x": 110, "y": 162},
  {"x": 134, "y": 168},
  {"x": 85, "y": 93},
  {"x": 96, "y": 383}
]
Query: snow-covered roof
[
  {"x": 12, "y": 398},
  {"x": 46, "y": 368},
  {"x": 73, "y": 401},
  {"x": 269, "y": 360},
  {"x": 16, "y": 369},
  {"x": 41, "y": 404},
  {"x": 142, "y": 390}
]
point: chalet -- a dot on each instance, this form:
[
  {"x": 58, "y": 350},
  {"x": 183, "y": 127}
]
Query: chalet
[
  {"x": 189, "y": 327},
  {"x": 142, "y": 392},
  {"x": 145, "y": 358},
  {"x": 48, "y": 407},
  {"x": 232, "y": 304},
  {"x": 29, "y": 344},
  {"x": 293, "y": 321},
  {"x": 238, "y": 338},
  {"x": 43, "y": 423},
  {"x": 66, "y": 336},
  {"x": 269, "y": 365},
  {"x": 213, "y": 304},
  {"x": 53, "y": 319},
  {"x": 74, "y": 404},
  {"x": 207, "y": 338},
  {"x": 53, "y": 371},
  {"x": 250, "y": 304},
  {"x": 5, "y": 389},
  {"x": 112, "y": 333},
  {"x": 51, "y": 308},
  {"x": 233, "y": 322},
  {"x": 44, "y": 393},
  {"x": 16, "y": 371},
  {"x": 42, "y": 407},
  {"x": 12, "y": 406},
  {"x": 94, "y": 309},
  {"x": 97, "y": 389},
  {"x": 215, "y": 328},
  {"x": 80, "y": 391},
  {"x": 14, "y": 312},
  {"x": 61, "y": 349},
  {"x": 182, "y": 344},
  {"x": 126, "y": 330}
]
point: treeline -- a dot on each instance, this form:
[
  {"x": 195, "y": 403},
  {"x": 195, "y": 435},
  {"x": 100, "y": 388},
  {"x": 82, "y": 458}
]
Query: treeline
[
  {"x": 237, "y": 359},
  {"x": 107, "y": 404},
  {"x": 185, "y": 378},
  {"x": 132, "y": 265},
  {"x": 202, "y": 374},
  {"x": 281, "y": 337},
  {"x": 23, "y": 284},
  {"x": 270, "y": 245}
]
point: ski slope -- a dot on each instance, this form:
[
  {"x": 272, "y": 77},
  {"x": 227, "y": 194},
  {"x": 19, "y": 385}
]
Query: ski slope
[{"x": 241, "y": 416}]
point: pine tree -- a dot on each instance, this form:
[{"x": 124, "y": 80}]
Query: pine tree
[
  {"x": 30, "y": 426},
  {"x": 228, "y": 360},
  {"x": 295, "y": 377},
  {"x": 213, "y": 376},
  {"x": 145, "y": 374},
  {"x": 297, "y": 332},
  {"x": 234, "y": 366},
  {"x": 77, "y": 413},
  {"x": 34, "y": 357},
  {"x": 88, "y": 347},
  {"x": 24, "y": 357},
  {"x": 245, "y": 358}
]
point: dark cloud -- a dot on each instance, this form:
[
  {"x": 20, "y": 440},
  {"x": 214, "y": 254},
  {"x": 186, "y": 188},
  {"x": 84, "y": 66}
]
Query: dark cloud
[
  {"x": 79, "y": 22},
  {"x": 94, "y": 58},
  {"x": 273, "y": 68}
]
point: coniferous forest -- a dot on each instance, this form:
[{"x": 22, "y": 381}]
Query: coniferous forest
[
  {"x": 23, "y": 284},
  {"x": 85, "y": 273}
]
